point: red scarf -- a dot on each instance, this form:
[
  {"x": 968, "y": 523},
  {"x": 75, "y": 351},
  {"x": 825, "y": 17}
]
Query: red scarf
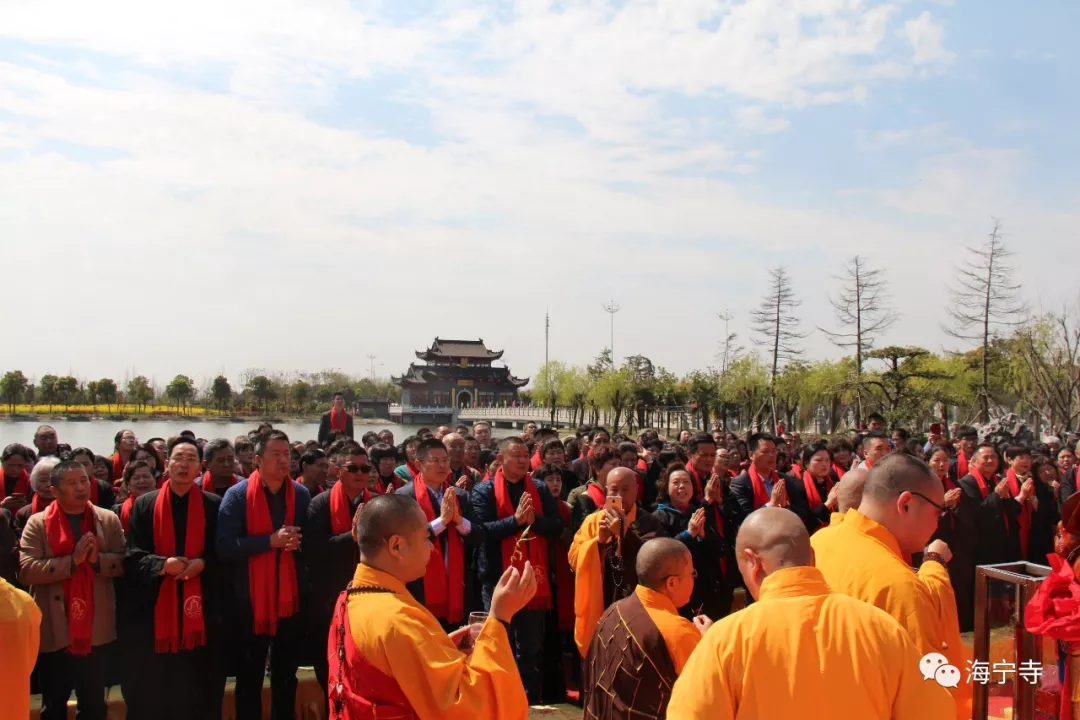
[
  {"x": 444, "y": 593},
  {"x": 413, "y": 470},
  {"x": 22, "y": 486},
  {"x": 39, "y": 503},
  {"x": 167, "y": 635},
  {"x": 699, "y": 486},
  {"x": 79, "y": 588},
  {"x": 341, "y": 518},
  {"x": 796, "y": 470},
  {"x": 761, "y": 498},
  {"x": 125, "y": 516},
  {"x": 962, "y": 466},
  {"x": 812, "y": 494},
  {"x": 596, "y": 493},
  {"x": 838, "y": 471},
  {"x": 117, "y": 466},
  {"x": 1025, "y": 512},
  {"x": 207, "y": 483},
  {"x": 984, "y": 487},
  {"x": 272, "y": 574},
  {"x": 564, "y": 577},
  {"x": 338, "y": 420},
  {"x": 535, "y": 550},
  {"x": 535, "y": 462}
]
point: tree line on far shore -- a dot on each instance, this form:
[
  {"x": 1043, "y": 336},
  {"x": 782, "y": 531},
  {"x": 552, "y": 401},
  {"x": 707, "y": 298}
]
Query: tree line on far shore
[{"x": 1013, "y": 362}]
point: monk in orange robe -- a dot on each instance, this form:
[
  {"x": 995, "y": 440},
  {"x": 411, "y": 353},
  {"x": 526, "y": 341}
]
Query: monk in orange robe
[
  {"x": 390, "y": 658},
  {"x": 642, "y": 643},
  {"x": 604, "y": 553},
  {"x": 866, "y": 556},
  {"x": 802, "y": 650}
]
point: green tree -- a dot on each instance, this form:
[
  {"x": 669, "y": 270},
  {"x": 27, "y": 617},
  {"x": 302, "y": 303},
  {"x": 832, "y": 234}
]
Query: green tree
[
  {"x": 181, "y": 389},
  {"x": 12, "y": 388},
  {"x": 984, "y": 300},
  {"x": 1045, "y": 368},
  {"x": 107, "y": 391},
  {"x": 612, "y": 391},
  {"x": 139, "y": 392},
  {"x": 221, "y": 393},
  {"x": 67, "y": 386},
  {"x": 548, "y": 385},
  {"x": 262, "y": 390},
  {"x": 302, "y": 393},
  {"x": 92, "y": 392},
  {"x": 49, "y": 392},
  {"x": 905, "y": 400}
]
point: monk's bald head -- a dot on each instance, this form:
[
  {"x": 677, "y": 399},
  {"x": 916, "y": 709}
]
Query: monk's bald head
[
  {"x": 777, "y": 536},
  {"x": 899, "y": 473},
  {"x": 382, "y": 517},
  {"x": 904, "y": 496},
  {"x": 849, "y": 491},
  {"x": 659, "y": 559}
]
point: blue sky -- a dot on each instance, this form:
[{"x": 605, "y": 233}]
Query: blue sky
[{"x": 313, "y": 182}]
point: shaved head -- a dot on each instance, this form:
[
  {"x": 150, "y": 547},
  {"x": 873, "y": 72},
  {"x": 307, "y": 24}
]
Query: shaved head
[
  {"x": 896, "y": 474},
  {"x": 659, "y": 559},
  {"x": 850, "y": 489},
  {"x": 382, "y": 517},
  {"x": 777, "y": 535}
]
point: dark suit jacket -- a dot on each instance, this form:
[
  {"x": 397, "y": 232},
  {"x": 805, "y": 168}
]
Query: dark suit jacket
[
  {"x": 742, "y": 492},
  {"x": 472, "y": 541},
  {"x": 997, "y": 531},
  {"x": 324, "y": 427},
  {"x": 331, "y": 559},
  {"x": 489, "y": 555}
]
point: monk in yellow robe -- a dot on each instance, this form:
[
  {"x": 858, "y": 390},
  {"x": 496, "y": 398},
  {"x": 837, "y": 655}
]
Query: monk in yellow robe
[
  {"x": 390, "y": 658},
  {"x": 20, "y": 623},
  {"x": 802, "y": 650},
  {"x": 604, "y": 552},
  {"x": 864, "y": 556},
  {"x": 642, "y": 643}
]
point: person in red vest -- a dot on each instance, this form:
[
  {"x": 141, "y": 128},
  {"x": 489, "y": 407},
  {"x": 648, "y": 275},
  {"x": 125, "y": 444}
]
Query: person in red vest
[{"x": 336, "y": 420}]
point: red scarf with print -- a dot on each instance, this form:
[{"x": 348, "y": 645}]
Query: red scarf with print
[
  {"x": 761, "y": 498},
  {"x": 22, "y": 486},
  {"x": 168, "y": 636},
  {"x": 535, "y": 546},
  {"x": 338, "y": 420},
  {"x": 341, "y": 518},
  {"x": 79, "y": 588},
  {"x": 444, "y": 590},
  {"x": 272, "y": 574}
]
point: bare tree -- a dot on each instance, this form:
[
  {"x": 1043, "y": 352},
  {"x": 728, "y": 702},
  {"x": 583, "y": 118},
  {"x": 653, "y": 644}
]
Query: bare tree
[
  {"x": 862, "y": 311},
  {"x": 777, "y": 328},
  {"x": 983, "y": 300},
  {"x": 1048, "y": 350},
  {"x": 730, "y": 351}
]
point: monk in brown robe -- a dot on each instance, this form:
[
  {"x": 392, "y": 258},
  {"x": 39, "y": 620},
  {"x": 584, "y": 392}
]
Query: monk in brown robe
[
  {"x": 604, "y": 553},
  {"x": 642, "y": 643}
]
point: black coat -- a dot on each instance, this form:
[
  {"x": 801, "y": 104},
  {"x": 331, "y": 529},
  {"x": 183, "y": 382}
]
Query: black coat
[
  {"x": 472, "y": 542},
  {"x": 332, "y": 559},
  {"x": 997, "y": 530},
  {"x": 324, "y": 427},
  {"x": 712, "y": 588},
  {"x": 742, "y": 492},
  {"x": 496, "y": 529}
]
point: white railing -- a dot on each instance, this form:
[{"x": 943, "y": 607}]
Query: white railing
[
  {"x": 421, "y": 409},
  {"x": 514, "y": 413}
]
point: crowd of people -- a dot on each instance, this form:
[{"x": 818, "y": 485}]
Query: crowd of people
[{"x": 600, "y": 561}]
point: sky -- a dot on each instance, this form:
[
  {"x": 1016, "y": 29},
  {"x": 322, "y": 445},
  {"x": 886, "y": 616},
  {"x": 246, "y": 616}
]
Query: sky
[{"x": 209, "y": 187}]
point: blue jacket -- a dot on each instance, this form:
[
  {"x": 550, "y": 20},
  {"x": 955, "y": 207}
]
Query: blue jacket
[
  {"x": 235, "y": 546},
  {"x": 490, "y": 560}
]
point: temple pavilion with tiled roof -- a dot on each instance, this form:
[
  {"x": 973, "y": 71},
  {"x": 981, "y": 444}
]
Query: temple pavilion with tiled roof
[{"x": 457, "y": 374}]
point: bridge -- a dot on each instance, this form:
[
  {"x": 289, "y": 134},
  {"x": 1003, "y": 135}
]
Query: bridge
[{"x": 516, "y": 417}]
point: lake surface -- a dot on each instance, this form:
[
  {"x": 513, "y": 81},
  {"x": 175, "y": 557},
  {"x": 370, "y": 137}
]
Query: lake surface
[{"x": 98, "y": 434}]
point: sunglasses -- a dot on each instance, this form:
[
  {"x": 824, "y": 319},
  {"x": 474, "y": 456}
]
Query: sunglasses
[{"x": 358, "y": 468}]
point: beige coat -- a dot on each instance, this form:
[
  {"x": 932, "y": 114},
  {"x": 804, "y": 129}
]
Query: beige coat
[{"x": 44, "y": 574}]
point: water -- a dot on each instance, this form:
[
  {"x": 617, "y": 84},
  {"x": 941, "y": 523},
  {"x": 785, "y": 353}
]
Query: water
[{"x": 98, "y": 434}]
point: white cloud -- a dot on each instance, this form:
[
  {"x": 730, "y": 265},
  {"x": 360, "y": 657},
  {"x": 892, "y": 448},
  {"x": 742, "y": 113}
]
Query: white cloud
[
  {"x": 927, "y": 38},
  {"x": 753, "y": 118}
]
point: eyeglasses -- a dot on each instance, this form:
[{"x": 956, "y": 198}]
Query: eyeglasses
[
  {"x": 940, "y": 508},
  {"x": 693, "y": 574},
  {"x": 358, "y": 468}
]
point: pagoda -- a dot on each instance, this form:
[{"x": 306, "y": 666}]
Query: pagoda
[{"x": 456, "y": 374}]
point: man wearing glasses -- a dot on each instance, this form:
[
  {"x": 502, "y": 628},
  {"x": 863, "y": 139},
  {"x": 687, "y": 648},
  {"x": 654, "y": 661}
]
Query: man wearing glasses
[
  {"x": 447, "y": 585},
  {"x": 867, "y": 556},
  {"x": 332, "y": 552}
]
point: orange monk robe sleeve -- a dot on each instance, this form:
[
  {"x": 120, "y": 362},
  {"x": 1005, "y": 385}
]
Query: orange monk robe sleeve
[
  {"x": 20, "y": 621},
  {"x": 680, "y": 635},
  {"x": 588, "y": 570},
  {"x": 442, "y": 682},
  {"x": 935, "y": 578}
]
